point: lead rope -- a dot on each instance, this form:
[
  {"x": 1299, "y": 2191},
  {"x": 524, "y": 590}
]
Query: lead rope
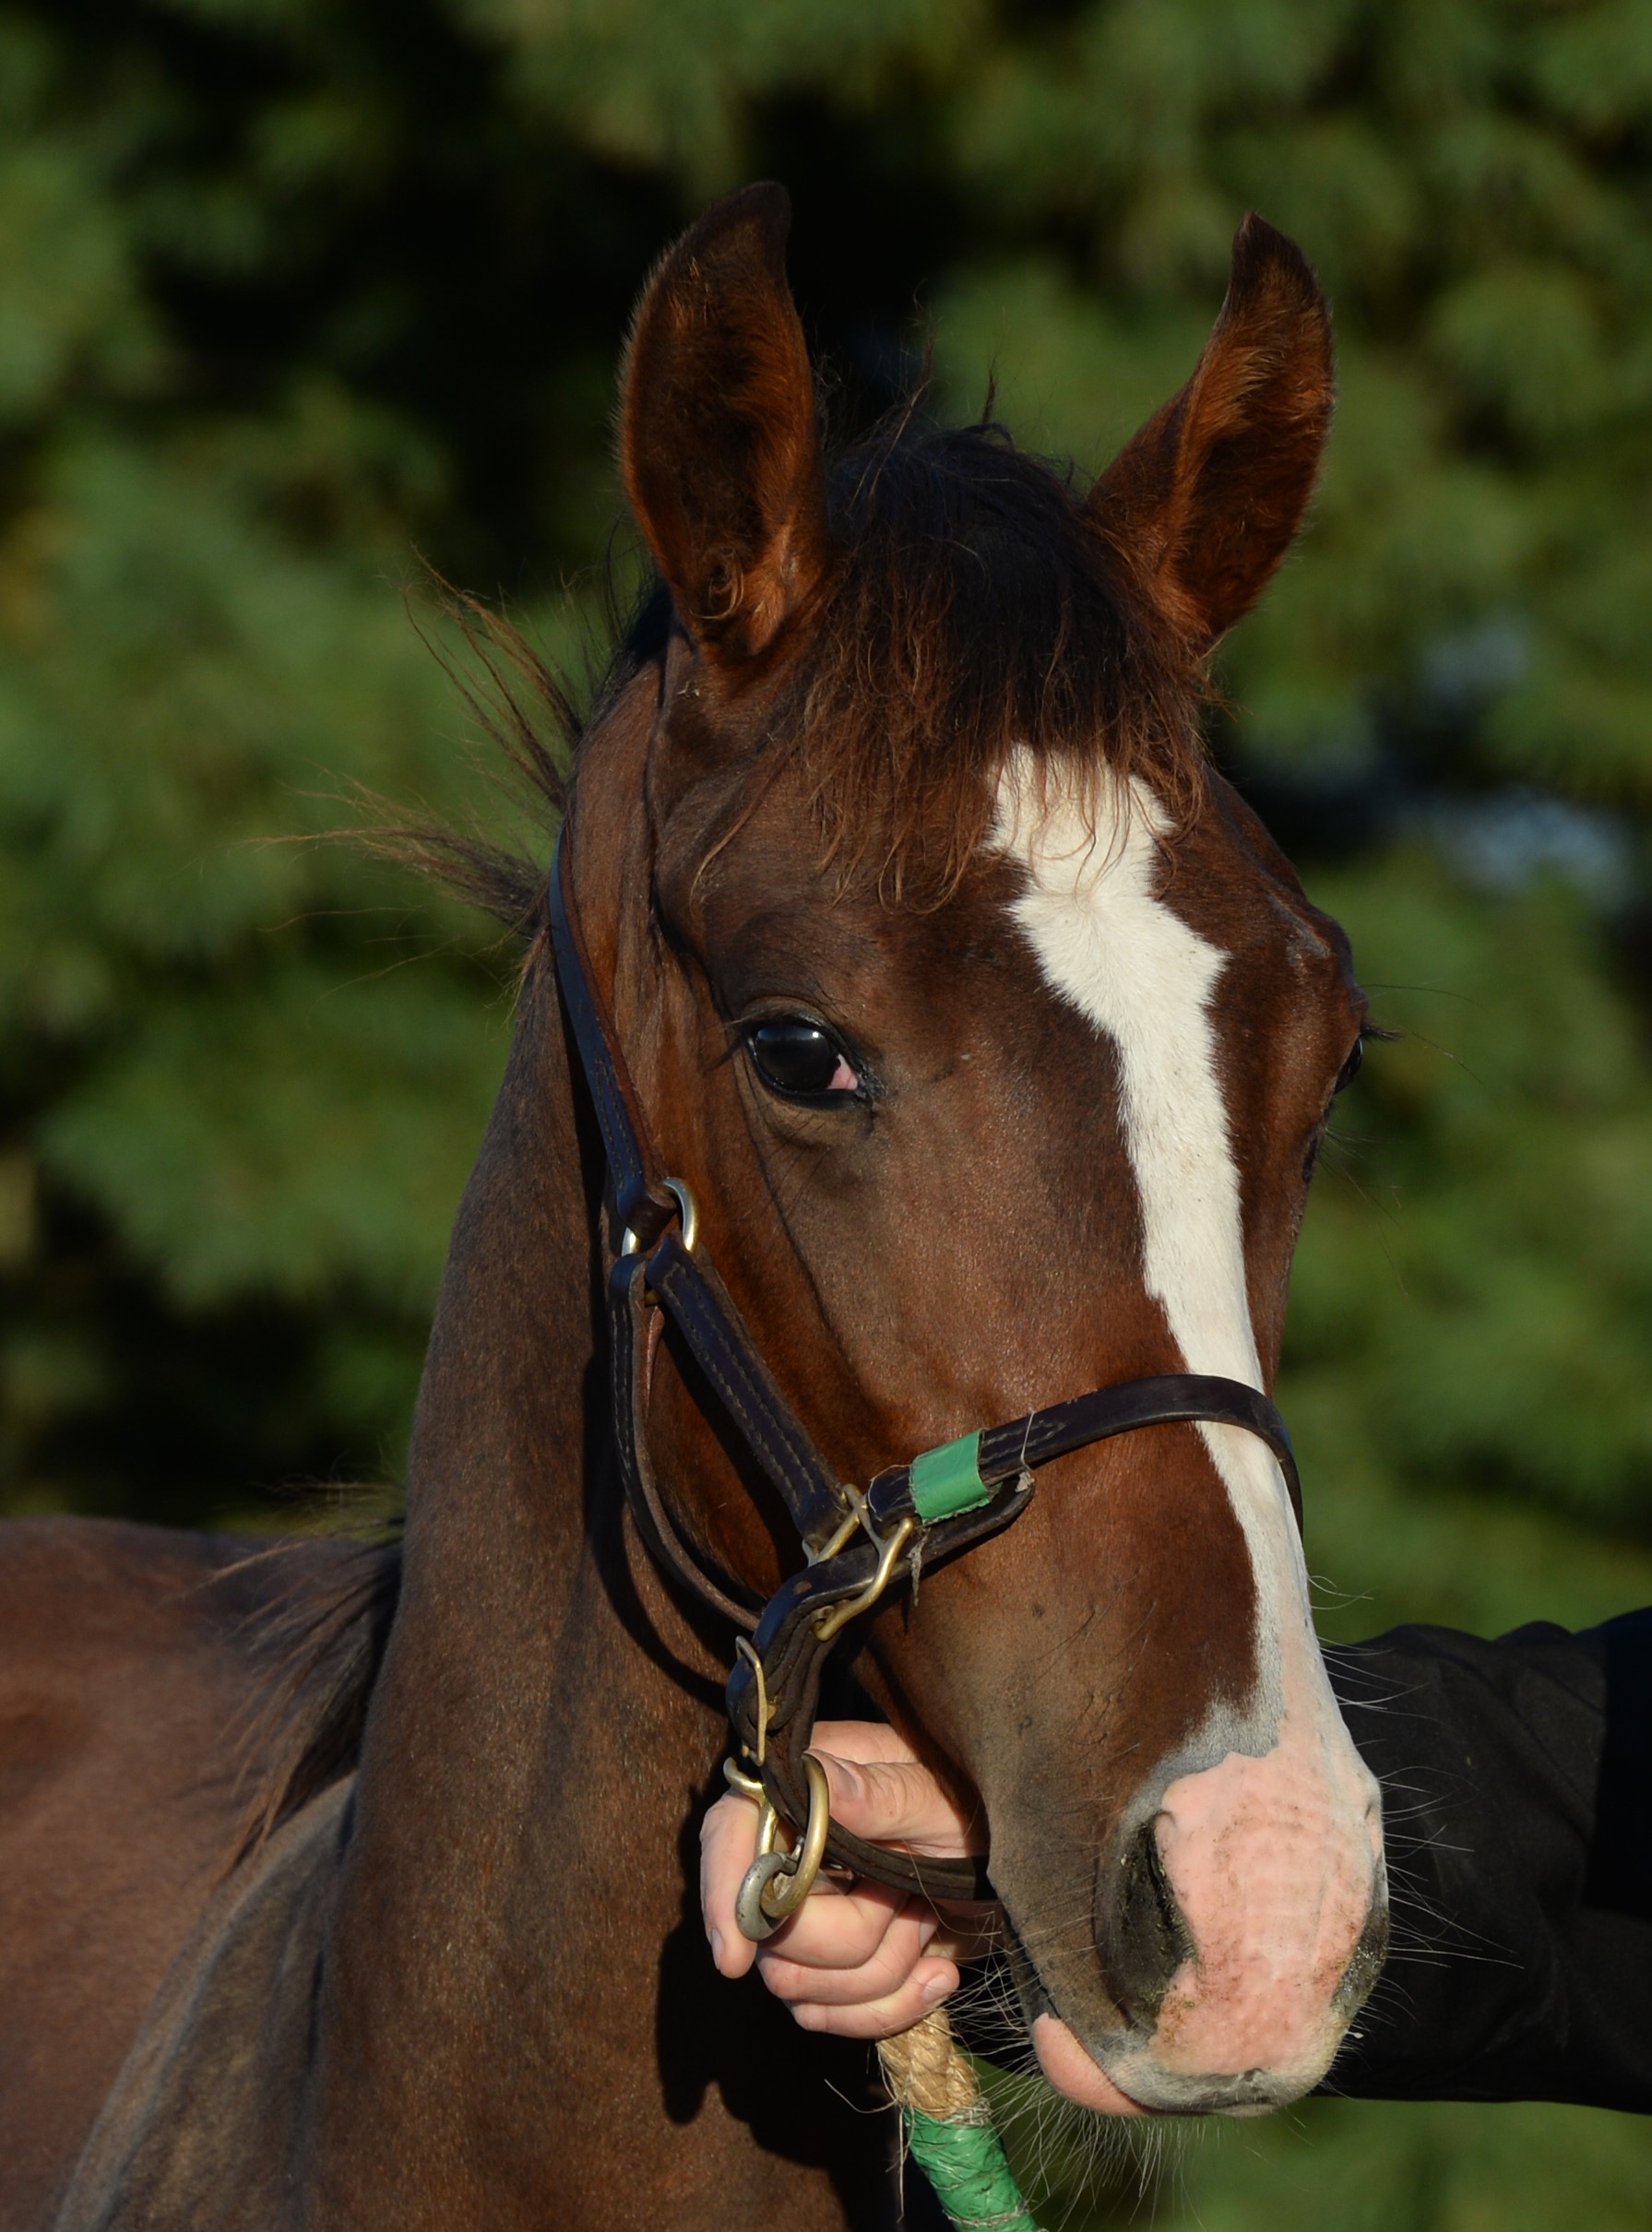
[{"x": 949, "y": 2129}]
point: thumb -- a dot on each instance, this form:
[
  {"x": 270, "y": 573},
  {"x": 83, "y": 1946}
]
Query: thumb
[{"x": 893, "y": 1801}]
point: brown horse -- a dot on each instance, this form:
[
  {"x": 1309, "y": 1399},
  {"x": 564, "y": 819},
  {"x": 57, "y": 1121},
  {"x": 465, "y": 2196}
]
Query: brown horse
[{"x": 996, "y": 1041}]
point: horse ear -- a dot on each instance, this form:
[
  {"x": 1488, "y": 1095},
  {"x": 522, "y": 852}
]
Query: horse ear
[
  {"x": 719, "y": 442},
  {"x": 1208, "y": 496}
]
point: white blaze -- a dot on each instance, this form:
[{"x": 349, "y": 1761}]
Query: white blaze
[
  {"x": 1271, "y": 1855},
  {"x": 1107, "y": 942}
]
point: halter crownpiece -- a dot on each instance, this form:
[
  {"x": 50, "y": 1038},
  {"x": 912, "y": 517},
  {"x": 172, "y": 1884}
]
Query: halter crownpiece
[{"x": 857, "y": 1544}]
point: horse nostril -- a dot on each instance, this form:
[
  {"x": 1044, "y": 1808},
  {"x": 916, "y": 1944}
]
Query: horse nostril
[{"x": 1142, "y": 1934}]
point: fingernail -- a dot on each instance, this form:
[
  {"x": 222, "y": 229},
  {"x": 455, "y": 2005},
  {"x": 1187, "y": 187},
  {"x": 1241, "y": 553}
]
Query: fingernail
[
  {"x": 936, "y": 1988},
  {"x": 717, "y": 1948}
]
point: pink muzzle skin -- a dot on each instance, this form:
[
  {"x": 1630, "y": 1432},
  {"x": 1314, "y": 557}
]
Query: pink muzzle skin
[{"x": 1275, "y": 1865}]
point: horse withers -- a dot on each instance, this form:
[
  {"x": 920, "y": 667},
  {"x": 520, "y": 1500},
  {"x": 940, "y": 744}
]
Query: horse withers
[{"x": 994, "y": 1041}]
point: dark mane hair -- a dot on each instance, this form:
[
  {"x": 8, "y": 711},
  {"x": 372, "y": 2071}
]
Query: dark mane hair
[
  {"x": 980, "y": 608},
  {"x": 318, "y": 1639}
]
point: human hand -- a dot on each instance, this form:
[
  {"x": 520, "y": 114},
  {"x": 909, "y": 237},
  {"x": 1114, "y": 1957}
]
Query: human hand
[{"x": 861, "y": 1963}]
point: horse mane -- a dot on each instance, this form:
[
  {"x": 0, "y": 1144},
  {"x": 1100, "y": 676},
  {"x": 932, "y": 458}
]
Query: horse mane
[
  {"x": 319, "y": 1640},
  {"x": 980, "y": 608}
]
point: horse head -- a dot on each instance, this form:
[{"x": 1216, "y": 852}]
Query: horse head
[{"x": 996, "y": 1041}]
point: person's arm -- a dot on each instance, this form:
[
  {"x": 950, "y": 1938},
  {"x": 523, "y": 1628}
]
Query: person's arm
[{"x": 1517, "y": 1797}]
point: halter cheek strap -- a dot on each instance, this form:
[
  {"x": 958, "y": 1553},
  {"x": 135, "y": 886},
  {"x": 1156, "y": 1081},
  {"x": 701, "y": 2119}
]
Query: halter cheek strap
[{"x": 857, "y": 1545}]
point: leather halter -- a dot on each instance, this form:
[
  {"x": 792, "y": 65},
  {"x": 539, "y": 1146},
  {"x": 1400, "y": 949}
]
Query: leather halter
[{"x": 855, "y": 1545}]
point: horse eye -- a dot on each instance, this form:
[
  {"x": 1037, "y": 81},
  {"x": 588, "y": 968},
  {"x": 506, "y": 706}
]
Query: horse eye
[
  {"x": 797, "y": 1058},
  {"x": 1351, "y": 1068}
]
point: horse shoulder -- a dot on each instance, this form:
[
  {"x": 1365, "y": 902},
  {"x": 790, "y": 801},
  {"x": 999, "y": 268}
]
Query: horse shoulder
[{"x": 205, "y": 2120}]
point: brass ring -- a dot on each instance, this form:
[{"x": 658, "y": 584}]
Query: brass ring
[
  {"x": 785, "y": 1892},
  {"x": 688, "y": 1209},
  {"x": 688, "y": 1212}
]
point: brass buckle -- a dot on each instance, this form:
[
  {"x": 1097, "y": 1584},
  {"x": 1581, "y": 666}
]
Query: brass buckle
[{"x": 831, "y": 1618}]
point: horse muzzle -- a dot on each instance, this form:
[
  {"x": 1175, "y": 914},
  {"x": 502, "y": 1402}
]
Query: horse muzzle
[{"x": 1238, "y": 1925}]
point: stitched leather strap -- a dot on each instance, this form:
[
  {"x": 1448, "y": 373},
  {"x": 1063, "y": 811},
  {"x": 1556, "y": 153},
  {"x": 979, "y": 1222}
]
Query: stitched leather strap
[
  {"x": 1176, "y": 1398},
  {"x": 703, "y": 1313},
  {"x": 632, "y": 1164},
  {"x": 689, "y": 1289},
  {"x": 632, "y": 1325}
]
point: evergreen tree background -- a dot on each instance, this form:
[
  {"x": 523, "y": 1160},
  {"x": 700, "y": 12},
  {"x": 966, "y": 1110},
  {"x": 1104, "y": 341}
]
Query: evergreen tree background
[{"x": 298, "y": 296}]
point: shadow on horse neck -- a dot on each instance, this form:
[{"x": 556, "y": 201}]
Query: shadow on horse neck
[{"x": 995, "y": 1041}]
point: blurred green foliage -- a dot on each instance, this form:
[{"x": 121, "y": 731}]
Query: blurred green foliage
[{"x": 297, "y": 295}]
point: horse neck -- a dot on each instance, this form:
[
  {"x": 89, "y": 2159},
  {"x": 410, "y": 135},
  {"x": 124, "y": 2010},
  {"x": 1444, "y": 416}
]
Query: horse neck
[{"x": 542, "y": 1722}]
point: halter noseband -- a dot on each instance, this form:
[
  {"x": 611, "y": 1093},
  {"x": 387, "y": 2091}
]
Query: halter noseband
[{"x": 857, "y": 1544}]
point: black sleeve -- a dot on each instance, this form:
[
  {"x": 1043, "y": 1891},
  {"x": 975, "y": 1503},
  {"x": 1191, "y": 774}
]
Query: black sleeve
[{"x": 1517, "y": 1782}]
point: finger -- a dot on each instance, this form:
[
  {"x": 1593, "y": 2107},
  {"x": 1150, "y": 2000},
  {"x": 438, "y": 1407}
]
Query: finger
[
  {"x": 727, "y": 1847},
  {"x": 893, "y": 1801},
  {"x": 967, "y": 1933},
  {"x": 862, "y": 1739},
  {"x": 837, "y": 1928},
  {"x": 886, "y": 1969},
  {"x": 929, "y": 1984}
]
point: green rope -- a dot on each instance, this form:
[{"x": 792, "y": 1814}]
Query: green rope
[
  {"x": 949, "y": 2131},
  {"x": 964, "y": 2160}
]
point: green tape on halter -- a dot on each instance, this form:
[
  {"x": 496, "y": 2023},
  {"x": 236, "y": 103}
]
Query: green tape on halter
[
  {"x": 964, "y": 2161},
  {"x": 948, "y": 1479}
]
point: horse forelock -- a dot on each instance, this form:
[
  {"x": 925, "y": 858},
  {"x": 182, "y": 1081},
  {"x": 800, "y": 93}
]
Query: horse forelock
[
  {"x": 981, "y": 613},
  {"x": 978, "y": 610}
]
